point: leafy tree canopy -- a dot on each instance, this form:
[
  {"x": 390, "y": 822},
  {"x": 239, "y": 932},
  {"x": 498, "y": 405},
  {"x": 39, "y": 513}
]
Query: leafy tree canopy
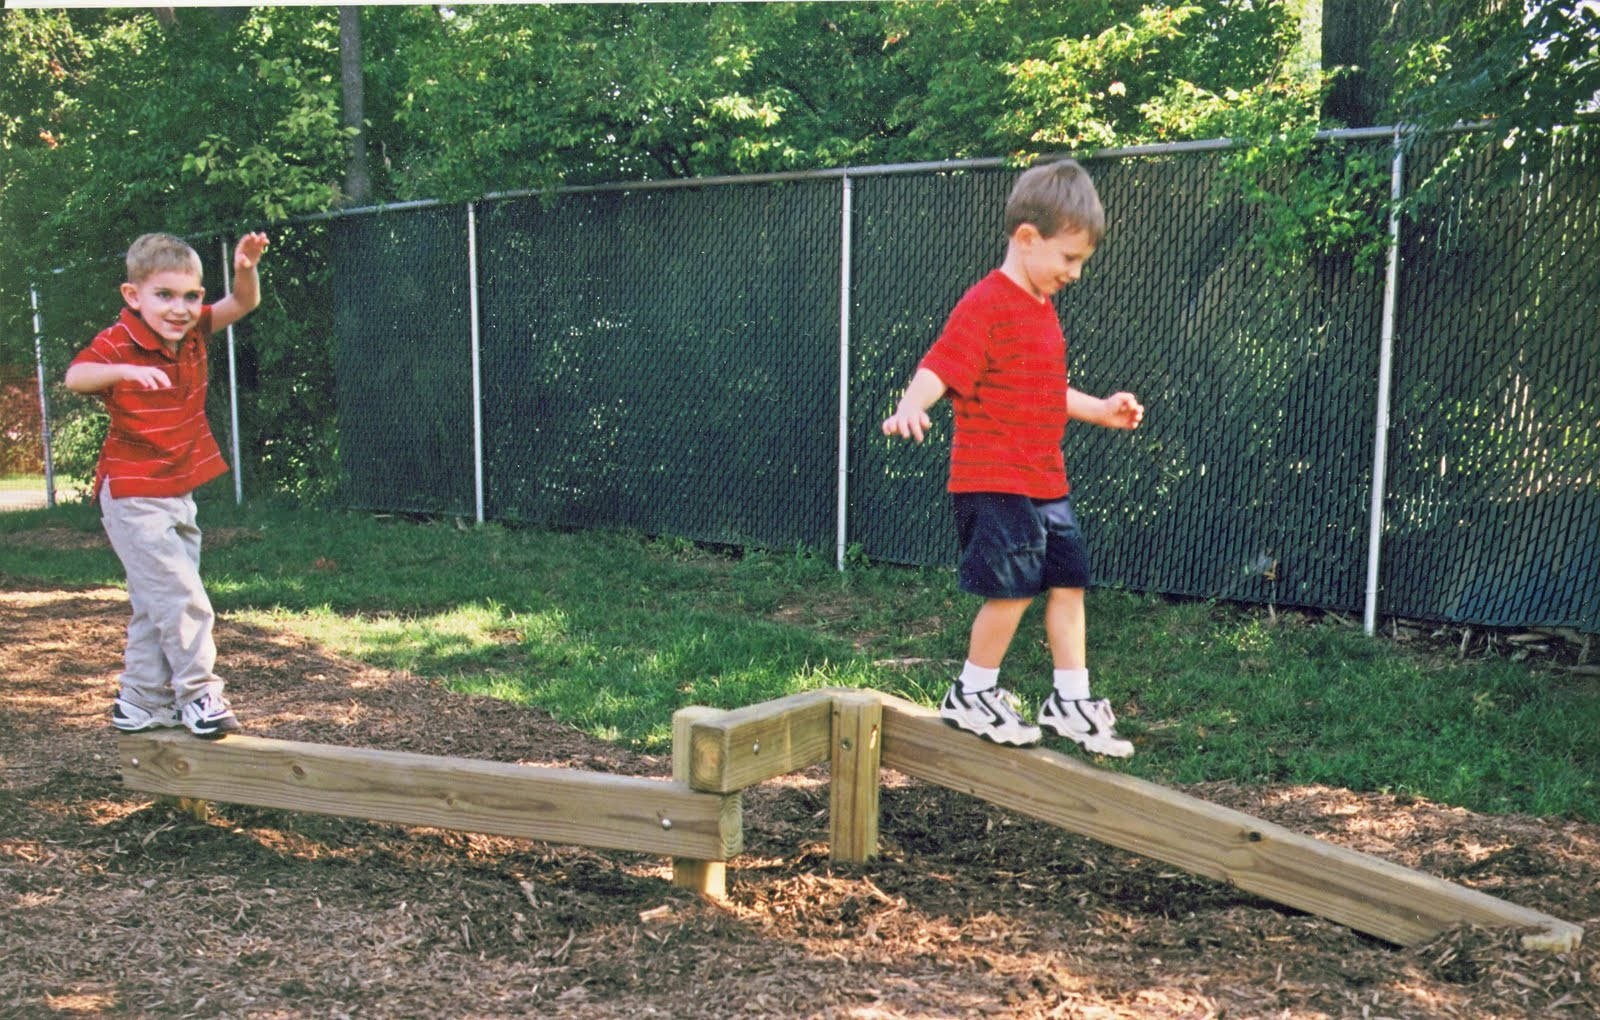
[{"x": 115, "y": 121}]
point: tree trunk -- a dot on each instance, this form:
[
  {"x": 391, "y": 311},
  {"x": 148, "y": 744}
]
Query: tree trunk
[
  {"x": 1349, "y": 28},
  {"x": 357, "y": 181}
]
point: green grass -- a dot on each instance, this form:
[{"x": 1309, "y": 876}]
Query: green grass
[{"x": 613, "y": 632}]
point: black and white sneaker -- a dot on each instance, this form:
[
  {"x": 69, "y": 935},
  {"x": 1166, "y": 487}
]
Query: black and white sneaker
[
  {"x": 209, "y": 717},
  {"x": 1085, "y": 722},
  {"x": 994, "y": 715},
  {"x": 131, "y": 718}
]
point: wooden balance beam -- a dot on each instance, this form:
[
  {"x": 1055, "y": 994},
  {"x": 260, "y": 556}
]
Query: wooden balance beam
[
  {"x": 722, "y": 751},
  {"x": 535, "y": 802},
  {"x": 1363, "y": 892},
  {"x": 695, "y": 818}
]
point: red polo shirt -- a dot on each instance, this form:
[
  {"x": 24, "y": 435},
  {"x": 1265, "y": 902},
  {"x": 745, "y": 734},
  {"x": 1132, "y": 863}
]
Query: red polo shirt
[
  {"x": 1003, "y": 358},
  {"x": 159, "y": 442}
]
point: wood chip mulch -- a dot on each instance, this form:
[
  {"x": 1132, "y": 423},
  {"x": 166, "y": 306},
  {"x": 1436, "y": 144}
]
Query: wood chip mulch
[{"x": 116, "y": 904}]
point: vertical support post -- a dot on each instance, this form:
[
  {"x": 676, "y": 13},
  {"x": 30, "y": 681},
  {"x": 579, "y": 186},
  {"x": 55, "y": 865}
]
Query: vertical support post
[
  {"x": 1380, "y": 445},
  {"x": 853, "y": 792},
  {"x": 233, "y": 389},
  {"x": 477, "y": 381},
  {"x": 842, "y": 537},
  {"x": 708, "y": 878},
  {"x": 44, "y": 400}
]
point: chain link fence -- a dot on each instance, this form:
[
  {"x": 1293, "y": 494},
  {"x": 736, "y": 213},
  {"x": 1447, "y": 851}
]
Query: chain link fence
[
  {"x": 1493, "y": 496},
  {"x": 712, "y": 361}
]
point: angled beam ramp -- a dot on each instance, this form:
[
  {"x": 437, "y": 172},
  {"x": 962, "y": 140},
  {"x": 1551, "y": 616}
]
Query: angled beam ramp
[
  {"x": 1363, "y": 892},
  {"x": 535, "y": 802}
]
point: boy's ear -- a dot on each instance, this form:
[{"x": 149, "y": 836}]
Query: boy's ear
[
  {"x": 130, "y": 294},
  {"x": 1026, "y": 233}
]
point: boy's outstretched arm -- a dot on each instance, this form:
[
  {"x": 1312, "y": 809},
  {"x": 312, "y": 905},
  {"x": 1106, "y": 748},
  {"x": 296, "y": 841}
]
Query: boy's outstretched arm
[
  {"x": 910, "y": 419},
  {"x": 246, "y": 293},
  {"x": 91, "y": 377},
  {"x": 1118, "y": 411}
]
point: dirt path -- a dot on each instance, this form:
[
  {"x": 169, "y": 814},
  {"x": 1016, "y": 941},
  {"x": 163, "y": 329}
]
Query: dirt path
[{"x": 113, "y": 905}]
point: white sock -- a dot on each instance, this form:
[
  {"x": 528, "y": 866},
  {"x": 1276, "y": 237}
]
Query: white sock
[
  {"x": 976, "y": 679},
  {"x": 1072, "y": 684}
]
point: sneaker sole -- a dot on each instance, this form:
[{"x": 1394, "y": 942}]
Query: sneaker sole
[
  {"x": 213, "y": 730},
  {"x": 153, "y": 724},
  {"x": 986, "y": 735},
  {"x": 1083, "y": 742}
]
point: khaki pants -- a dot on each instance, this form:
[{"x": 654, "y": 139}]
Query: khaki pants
[{"x": 170, "y": 653}]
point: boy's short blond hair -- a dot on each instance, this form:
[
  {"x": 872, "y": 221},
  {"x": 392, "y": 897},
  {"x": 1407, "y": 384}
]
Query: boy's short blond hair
[
  {"x": 150, "y": 254},
  {"x": 1055, "y": 197}
]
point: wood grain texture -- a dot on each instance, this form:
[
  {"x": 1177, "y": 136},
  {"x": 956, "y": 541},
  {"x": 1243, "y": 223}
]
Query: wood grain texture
[
  {"x": 853, "y": 786},
  {"x": 744, "y": 746},
  {"x": 708, "y": 878},
  {"x": 1364, "y": 892},
  {"x": 552, "y": 804}
]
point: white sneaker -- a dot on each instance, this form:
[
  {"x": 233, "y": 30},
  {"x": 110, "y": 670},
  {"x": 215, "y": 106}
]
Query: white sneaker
[
  {"x": 131, "y": 718},
  {"x": 209, "y": 716},
  {"x": 993, "y": 715},
  {"x": 1086, "y": 722}
]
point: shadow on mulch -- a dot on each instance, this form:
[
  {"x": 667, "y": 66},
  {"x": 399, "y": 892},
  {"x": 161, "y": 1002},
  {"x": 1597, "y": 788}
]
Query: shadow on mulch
[{"x": 113, "y": 904}]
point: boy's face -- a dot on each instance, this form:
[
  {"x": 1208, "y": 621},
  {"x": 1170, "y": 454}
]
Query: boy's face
[
  {"x": 1050, "y": 263},
  {"x": 168, "y": 302}
]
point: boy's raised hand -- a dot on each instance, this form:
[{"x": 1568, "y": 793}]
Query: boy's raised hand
[{"x": 249, "y": 251}]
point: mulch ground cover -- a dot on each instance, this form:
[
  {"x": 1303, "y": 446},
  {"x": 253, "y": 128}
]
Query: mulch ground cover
[{"x": 114, "y": 903}]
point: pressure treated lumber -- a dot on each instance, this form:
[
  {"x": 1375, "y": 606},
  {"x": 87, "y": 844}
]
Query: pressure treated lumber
[
  {"x": 1354, "y": 889},
  {"x": 536, "y": 802},
  {"x": 741, "y": 747},
  {"x": 708, "y": 878},
  {"x": 853, "y": 790}
]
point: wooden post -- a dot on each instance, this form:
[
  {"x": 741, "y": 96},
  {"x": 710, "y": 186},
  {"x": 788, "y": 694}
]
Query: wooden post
[
  {"x": 198, "y": 810},
  {"x": 853, "y": 793},
  {"x": 708, "y": 878}
]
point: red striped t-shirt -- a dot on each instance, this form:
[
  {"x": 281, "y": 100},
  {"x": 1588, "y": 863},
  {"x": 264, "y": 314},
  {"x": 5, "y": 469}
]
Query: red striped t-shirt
[
  {"x": 1003, "y": 358},
  {"x": 159, "y": 442}
]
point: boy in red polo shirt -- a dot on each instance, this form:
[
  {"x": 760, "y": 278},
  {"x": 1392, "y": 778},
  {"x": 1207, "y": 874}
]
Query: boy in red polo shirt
[
  {"x": 1002, "y": 358},
  {"x": 150, "y": 369}
]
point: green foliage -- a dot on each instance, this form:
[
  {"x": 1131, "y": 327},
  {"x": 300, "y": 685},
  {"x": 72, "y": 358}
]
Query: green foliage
[
  {"x": 1315, "y": 200},
  {"x": 75, "y": 444},
  {"x": 1532, "y": 71},
  {"x": 227, "y": 119}
]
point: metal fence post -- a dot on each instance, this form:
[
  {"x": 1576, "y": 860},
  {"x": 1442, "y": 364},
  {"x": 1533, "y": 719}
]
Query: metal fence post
[
  {"x": 477, "y": 381},
  {"x": 44, "y": 400},
  {"x": 1380, "y": 445},
  {"x": 844, "y": 373},
  {"x": 233, "y": 390}
]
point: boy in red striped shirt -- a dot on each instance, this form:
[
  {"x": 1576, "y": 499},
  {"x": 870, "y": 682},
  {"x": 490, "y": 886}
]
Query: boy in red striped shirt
[
  {"x": 150, "y": 370},
  {"x": 1002, "y": 359}
]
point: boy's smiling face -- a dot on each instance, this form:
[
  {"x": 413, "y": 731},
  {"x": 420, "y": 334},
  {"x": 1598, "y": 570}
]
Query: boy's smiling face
[
  {"x": 167, "y": 301},
  {"x": 1044, "y": 265}
]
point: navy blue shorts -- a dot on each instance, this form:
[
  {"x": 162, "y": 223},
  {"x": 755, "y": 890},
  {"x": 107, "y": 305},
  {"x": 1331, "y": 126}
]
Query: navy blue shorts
[{"x": 1014, "y": 547}]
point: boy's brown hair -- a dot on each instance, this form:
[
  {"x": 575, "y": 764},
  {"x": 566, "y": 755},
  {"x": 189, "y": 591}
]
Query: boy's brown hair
[
  {"x": 1055, "y": 197},
  {"x": 158, "y": 253}
]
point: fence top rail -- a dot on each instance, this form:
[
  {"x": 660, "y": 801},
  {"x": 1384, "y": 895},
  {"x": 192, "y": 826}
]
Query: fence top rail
[{"x": 873, "y": 170}]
